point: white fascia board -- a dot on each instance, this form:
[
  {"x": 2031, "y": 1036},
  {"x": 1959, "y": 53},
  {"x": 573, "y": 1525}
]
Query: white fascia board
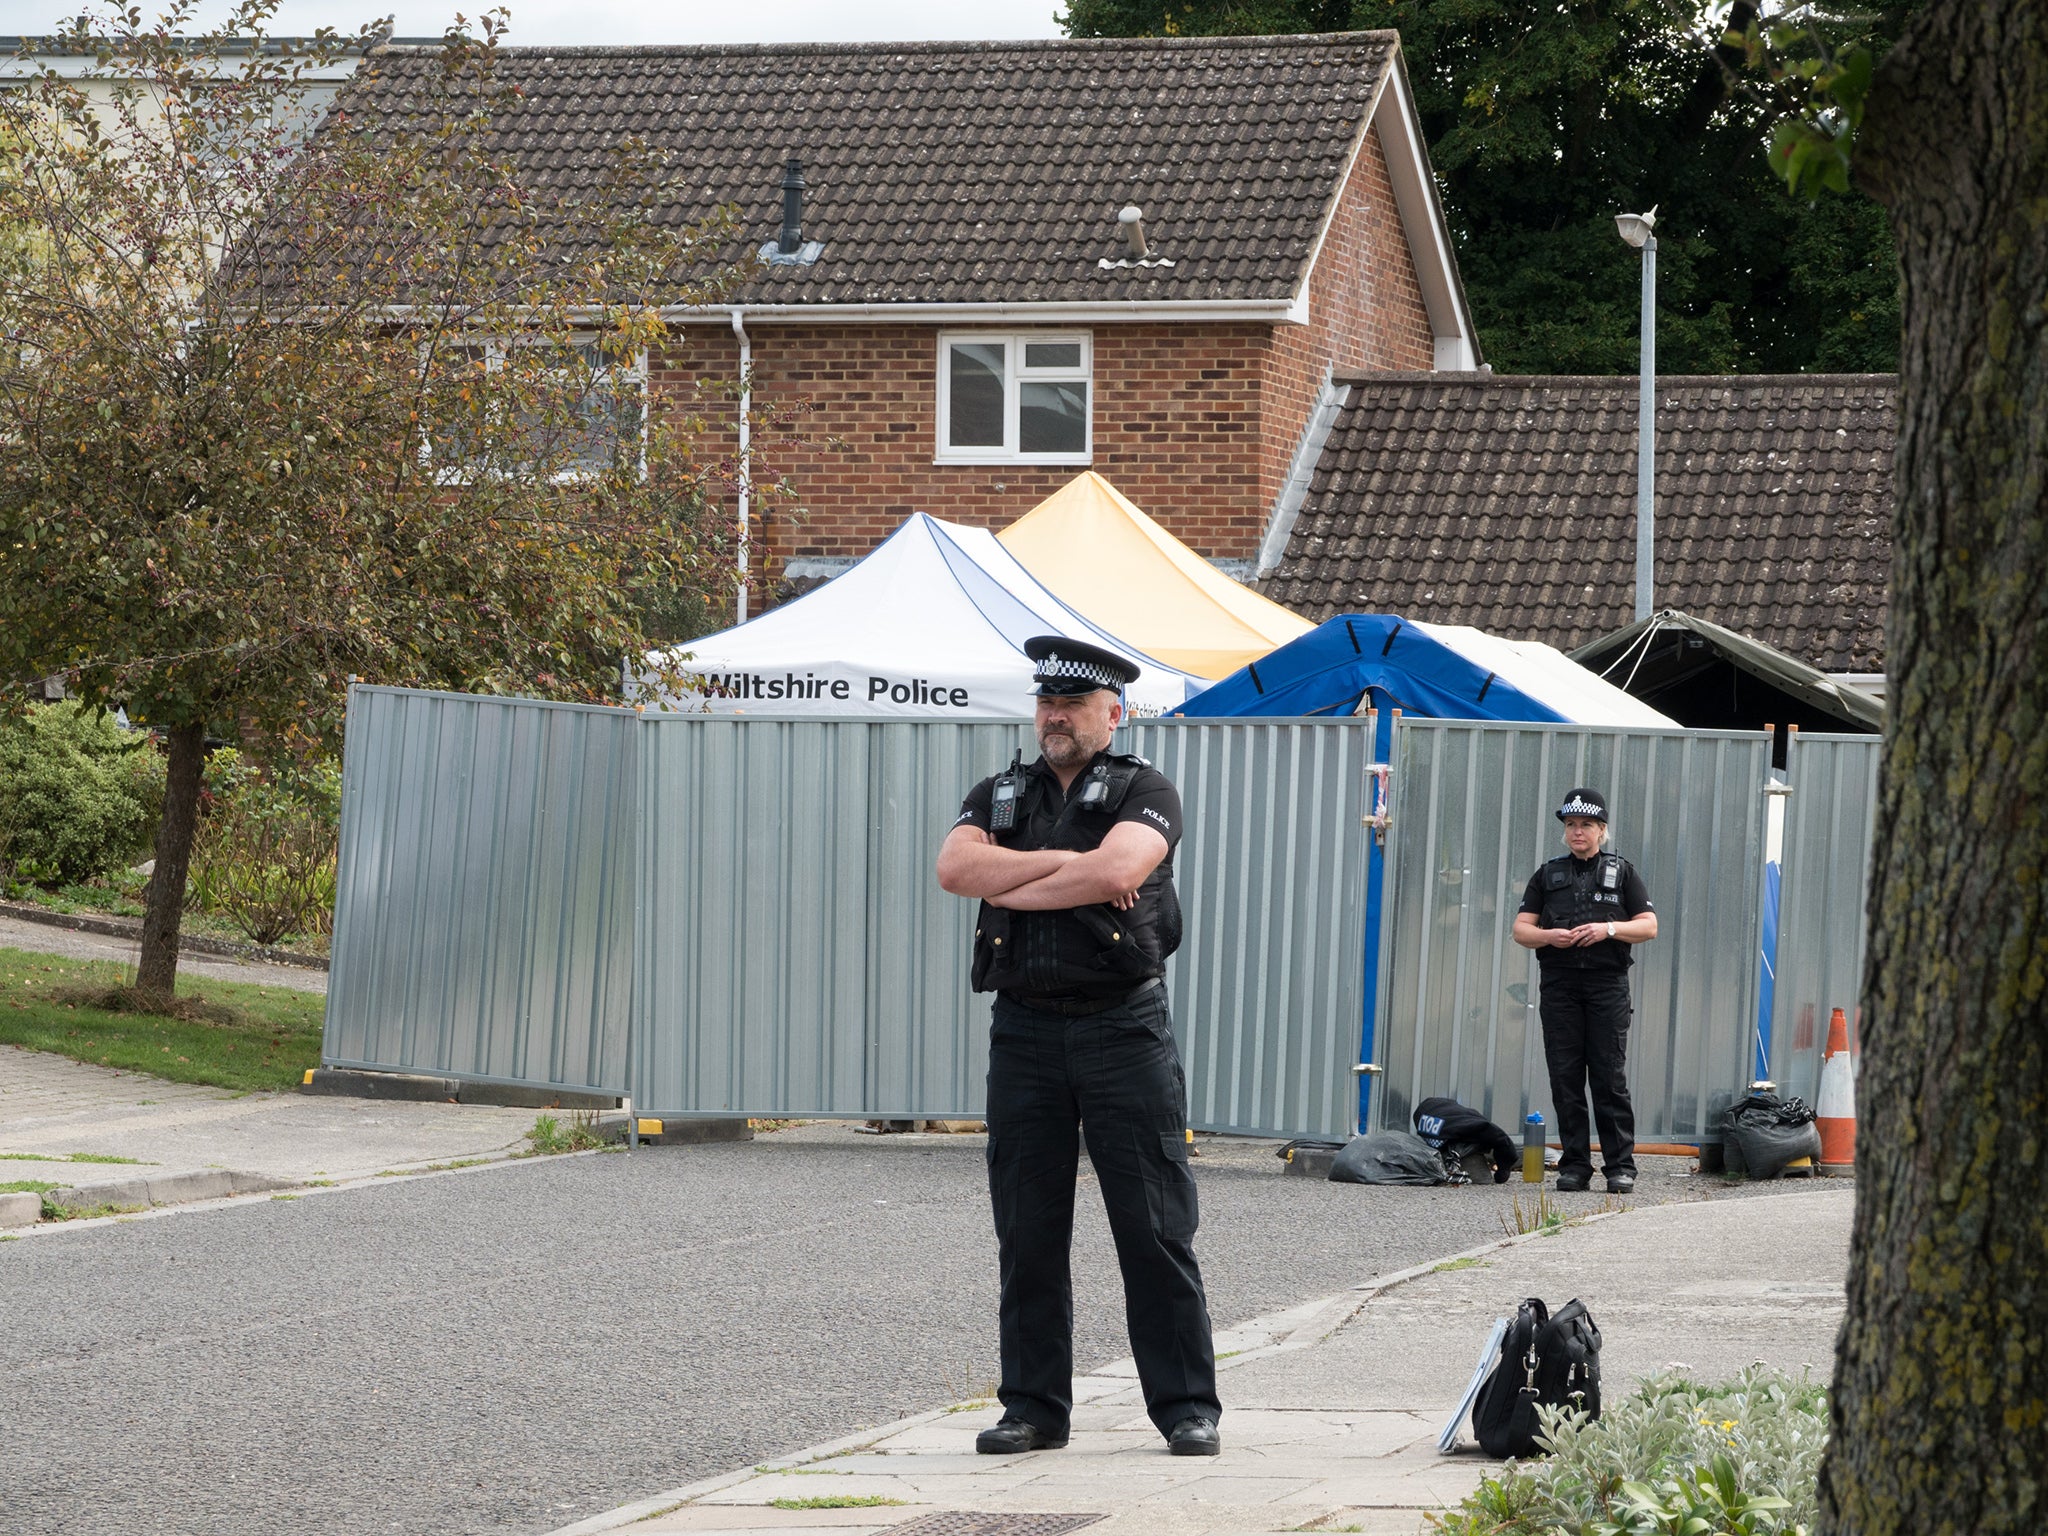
[
  {"x": 1422, "y": 221},
  {"x": 1109, "y": 312},
  {"x": 1336, "y": 198}
]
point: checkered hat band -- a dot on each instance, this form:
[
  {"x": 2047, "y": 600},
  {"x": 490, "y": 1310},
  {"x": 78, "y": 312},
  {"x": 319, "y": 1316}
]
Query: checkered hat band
[
  {"x": 1088, "y": 671},
  {"x": 1578, "y": 807}
]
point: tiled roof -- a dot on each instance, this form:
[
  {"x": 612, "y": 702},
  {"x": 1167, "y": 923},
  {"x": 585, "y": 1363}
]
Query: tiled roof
[
  {"x": 1509, "y": 503},
  {"x": 962, "y": 172}
]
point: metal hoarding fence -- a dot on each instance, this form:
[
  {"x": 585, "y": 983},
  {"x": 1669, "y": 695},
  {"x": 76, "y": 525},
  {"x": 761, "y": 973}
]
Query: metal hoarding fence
[
  {"x": 798, "y": 958},
  {"x": 484, "y": 898},
  {"x": 737, "y": 915},
  {"x": 1473, "y": 810},
  {"x": 1269, "y": 987},
  {"x": 1830, "y": 824}
]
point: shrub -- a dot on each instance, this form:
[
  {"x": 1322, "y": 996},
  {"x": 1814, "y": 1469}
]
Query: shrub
[
  {"x": 264, "y": 854},
  {"x": 78, "y": 795},
  {"x": 1742, "y": 1456}
]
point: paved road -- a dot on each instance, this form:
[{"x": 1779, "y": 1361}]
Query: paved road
[{"x": 509, "y": 1348}]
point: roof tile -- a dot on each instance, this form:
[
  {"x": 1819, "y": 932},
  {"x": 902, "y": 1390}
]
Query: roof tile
[
  {"x": 1509, "y": 503},
  {"x": 960, "y": 172}
]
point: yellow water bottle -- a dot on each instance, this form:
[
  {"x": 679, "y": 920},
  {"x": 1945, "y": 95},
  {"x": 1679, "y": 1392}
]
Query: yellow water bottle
[{"x": 1532, "y": 1150}]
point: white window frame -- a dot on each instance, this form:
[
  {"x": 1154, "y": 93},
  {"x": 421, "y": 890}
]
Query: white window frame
[
  {"x": 1014, "y": 375},
  {"x": 495, "y": 349}
]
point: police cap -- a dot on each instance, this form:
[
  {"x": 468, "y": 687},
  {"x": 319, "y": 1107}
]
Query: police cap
[
  {"x": 1070, "y": 667},
  {"x": 1584, "y": 802}
]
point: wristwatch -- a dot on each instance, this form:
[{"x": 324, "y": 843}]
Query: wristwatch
[{"x": 1610, "y": 930}]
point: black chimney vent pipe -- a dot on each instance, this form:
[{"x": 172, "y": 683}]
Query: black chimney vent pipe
[{"x": 792, "y": 239}]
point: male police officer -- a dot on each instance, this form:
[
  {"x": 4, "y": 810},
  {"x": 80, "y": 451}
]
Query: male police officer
[
  {"x": 1072, "y": 858},
  {"x": 1580, "y": 913}
]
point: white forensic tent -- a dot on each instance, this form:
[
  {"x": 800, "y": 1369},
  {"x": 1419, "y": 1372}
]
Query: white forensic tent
[{"x": 929, "y": 626}]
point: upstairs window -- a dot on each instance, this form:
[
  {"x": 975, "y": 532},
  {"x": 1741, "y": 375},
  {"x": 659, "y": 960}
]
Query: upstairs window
[
  {"x": 573, "y": 411},
  {"x": 1009, "y": 397}
]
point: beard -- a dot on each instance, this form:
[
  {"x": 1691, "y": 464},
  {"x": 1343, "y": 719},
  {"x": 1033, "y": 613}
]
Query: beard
[{"x": 1065, "y": 749}]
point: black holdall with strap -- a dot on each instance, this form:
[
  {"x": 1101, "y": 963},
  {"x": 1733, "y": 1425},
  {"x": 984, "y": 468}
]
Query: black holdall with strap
[{"x": 1543, "y": 1360}]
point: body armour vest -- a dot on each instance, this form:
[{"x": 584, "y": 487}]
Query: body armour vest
[
  {"x": 1590, "y": 893},
  {"x": 1077, "y": 953}
]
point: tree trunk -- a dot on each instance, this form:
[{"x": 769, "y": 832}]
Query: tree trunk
[
  {"x": 1941, "y": 1382},
  {"x": 164, "y": 903}
]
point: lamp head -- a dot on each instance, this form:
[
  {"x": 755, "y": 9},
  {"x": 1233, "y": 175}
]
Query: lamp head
[{"x": 1635, "y": 227}]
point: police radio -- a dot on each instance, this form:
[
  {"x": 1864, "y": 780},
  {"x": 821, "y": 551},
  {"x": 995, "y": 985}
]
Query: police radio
[
  {"x": 1610, "y": 873},
  {"x": 1002, "y": 811}
]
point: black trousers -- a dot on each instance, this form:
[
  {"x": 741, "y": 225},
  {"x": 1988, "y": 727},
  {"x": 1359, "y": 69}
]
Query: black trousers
[
  {"x": 1115, "y": 1077},
  {"x": 1585, "y": 1041}
]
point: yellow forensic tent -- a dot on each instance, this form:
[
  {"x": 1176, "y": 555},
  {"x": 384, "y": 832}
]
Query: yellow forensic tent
[{"x": 1124, "y": 573}]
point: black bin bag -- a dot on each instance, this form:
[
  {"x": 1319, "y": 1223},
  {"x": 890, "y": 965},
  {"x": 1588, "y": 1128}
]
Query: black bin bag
[
  {"x": 1762, "y": 1134},
  {"x": 1388, "y": 1157}
]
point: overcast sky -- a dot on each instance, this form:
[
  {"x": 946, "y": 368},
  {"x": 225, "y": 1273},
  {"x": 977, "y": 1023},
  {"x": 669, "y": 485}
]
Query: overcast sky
[{"x": 637, "y": 21}]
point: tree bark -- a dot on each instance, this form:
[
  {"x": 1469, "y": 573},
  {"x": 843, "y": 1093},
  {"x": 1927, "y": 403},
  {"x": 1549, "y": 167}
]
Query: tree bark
[
  {"x": 1941, "y": 1383},
  {"x": 164, "y": 903}
]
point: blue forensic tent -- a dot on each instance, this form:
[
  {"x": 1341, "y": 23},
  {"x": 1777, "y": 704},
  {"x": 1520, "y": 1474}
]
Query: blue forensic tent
[{"x": 1437, "y": 671}]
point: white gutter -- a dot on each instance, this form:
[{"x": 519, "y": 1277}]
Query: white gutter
[
  {"x": 1263, "y": 311},
  {"x": 1289, "y": 311},
  {"x": 739, "y": 329}
]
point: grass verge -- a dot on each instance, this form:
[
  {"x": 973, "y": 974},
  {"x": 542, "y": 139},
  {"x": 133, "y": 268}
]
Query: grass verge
[{"x": 234, "y": 1035}]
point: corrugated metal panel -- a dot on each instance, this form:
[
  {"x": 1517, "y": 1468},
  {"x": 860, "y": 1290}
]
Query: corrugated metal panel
[
  {"x": 763, "y": 889},
  {"x": 1473, "y": 810},
  {"x": 799, "y": 958},
  {"x": 797, "y": 955},
  {"x": 483, "y": 906},
  {"x": 1268, "y": 988},
  {"x": 1830, "y": 824}
]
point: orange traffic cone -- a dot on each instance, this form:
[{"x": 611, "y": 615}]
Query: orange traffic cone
[{"x": 1835, "y": 1114}]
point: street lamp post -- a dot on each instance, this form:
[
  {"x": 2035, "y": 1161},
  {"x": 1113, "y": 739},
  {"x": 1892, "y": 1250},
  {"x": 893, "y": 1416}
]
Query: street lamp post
[{"x": 1636, "y": 230}]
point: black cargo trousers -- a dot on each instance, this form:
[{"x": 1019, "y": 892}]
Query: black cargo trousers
[
  {"x": 1116, "y": 1078},
  {"x": 1586, "y": 1015}
]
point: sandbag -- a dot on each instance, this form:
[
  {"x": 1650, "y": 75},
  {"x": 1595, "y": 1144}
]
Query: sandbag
[{"x": 1388, "y": 1157}]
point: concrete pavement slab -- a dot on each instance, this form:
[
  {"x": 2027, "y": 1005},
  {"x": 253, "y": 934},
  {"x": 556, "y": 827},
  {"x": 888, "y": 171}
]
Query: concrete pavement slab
[
  {"x": 1332, "y": 1412},
  {"x": 192, "y": 1143}
]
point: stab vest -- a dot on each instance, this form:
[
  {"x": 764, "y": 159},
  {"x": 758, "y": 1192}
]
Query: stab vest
[
  {"x": 1078, "y": 953},
  {"x": 1575, "y": 894}
]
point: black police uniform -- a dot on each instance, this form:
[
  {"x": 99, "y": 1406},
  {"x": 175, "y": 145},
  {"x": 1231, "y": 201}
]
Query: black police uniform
[
  {"x": 1586, "y": 1008},
  {"x": 1082, "y": 1037}
]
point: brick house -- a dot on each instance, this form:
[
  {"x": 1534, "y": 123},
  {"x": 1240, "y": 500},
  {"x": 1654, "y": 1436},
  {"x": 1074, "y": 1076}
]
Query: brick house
[{"x": 959, "y": 300}]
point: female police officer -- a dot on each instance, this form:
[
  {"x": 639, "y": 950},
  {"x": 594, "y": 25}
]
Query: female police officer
[
  {"x": 1581, "y": 913},
  {"x": 1072, "y": 858}
]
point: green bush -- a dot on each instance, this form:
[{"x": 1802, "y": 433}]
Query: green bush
[
  {"x": 78, "y": 795},
  {"x": 264, "y": 854},
  {"x": 1741, "y": 1457}
]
